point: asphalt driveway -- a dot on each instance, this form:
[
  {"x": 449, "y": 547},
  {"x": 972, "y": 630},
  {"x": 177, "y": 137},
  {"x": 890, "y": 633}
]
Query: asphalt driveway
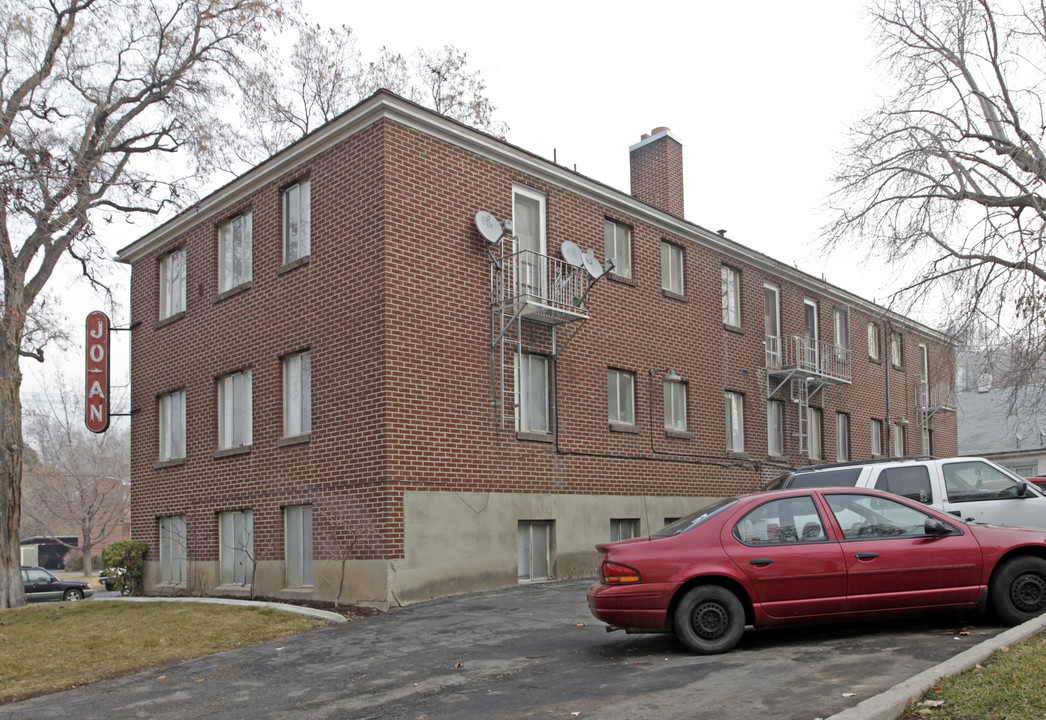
[{"x": 525, "y": 652}]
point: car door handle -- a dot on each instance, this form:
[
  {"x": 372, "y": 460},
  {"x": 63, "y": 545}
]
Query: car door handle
[
  {"x": 866, "y": 556},
  {"x": 761, "y": 562},
  {"x": 956, "y": 513}
]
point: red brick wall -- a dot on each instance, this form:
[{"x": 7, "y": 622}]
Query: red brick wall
[
  {"x": 394, "y": 307},
  {"x": 656, "y": 174}
]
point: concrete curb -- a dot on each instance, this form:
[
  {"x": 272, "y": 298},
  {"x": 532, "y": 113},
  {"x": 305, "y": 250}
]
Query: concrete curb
[
  {"x": 324, "y": 615},
  {"x": 890, "y": 704}
]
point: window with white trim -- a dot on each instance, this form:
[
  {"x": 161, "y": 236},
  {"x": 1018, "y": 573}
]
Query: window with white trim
[
  {"x": 775, "y": 428},
  {"x": 172, "y": 284},
  {"x": 841, "y": 328},
  {"x": 297, "y": 394},
  {"x": 234, "y": 252},
  {"x": 234, "y": 410},
  {"x": 735, "y": 422},
  {"x": 772, "y": 325},
  {"x": 236, "y": 554},
  {"x": 731, "y": 288},
  {"x": 297, "y": 533},
  {"x": 174, "y": 563},
  {"x": 534, "y": 550},
  {"x": 297, "y": 224},
  {"x": 672, "y": 268},
  {"x": 842, "y": 437},
  {"x": 618, "y": 239},
  {"x": 623, "y": 528},
  {"x": 898, "y": 440},
  {"x": 621, "y": 397},
  {"x": 877, "y": 437},
  {"x": 873, "y": 341},
  {"x": 675, "y": 405},
  {"x": 532, "y": 393},
  {"x": 814, "y": 435},
  {"x": 896, "y": 349},
  {"x": 172, "y": 425}
]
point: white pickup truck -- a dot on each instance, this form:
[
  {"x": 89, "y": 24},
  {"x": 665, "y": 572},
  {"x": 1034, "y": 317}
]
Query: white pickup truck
[{"x": 971, "y": 488}]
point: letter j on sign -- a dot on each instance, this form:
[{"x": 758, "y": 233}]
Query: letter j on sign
[{"x": 97, "y": 372}]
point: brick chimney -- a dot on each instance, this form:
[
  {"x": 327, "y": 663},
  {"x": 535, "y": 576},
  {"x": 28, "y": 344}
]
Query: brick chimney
[{"x": 657, "y": 170}]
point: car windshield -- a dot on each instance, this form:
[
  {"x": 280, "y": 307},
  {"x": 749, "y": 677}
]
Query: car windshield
[{"x": 694, "y": 519}]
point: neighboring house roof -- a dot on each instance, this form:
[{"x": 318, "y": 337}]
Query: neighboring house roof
[{"x": 987, "y": 425}]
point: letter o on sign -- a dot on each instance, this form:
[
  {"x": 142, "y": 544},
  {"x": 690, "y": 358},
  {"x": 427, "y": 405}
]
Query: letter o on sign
[{"x": 97, "y": 372}]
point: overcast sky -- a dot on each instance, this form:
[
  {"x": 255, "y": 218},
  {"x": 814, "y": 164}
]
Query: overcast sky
[{"x": 760, "y": 93}]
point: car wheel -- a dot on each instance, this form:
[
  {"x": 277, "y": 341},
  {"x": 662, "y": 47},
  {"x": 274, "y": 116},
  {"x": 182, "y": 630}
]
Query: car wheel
[
  {"x": 109, "y": 587},
  {"x": 709, "y": 620},
  {"x": 72, "y": 595},
  {"x": 1018, "y": 590}
]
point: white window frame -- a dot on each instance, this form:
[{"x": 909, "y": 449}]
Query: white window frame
[
  {"x": 841, "y": 331},
  {"x": 842, "y": 437},
  {"x": 898, "y": 440},
  {"x": 731, "y": 289},
  {"x": 873, "y": 341},
  {"x": 811, "y": 335},
  {"x": 618, "y": 245},
  {"x": 534, "y": 550},
  {"x": 621, "y": 394},
  {"x": 623, "y": 528},
  {"x": 530, "y": 269},
  {"x": 174, "y": 562},
  {"x": 172, "y": 284},
  {"x": 297, "y": 545},
  {"x": 673, "y": 260},
  {"x": 775, "y": 428},
  {"x": 772, "y": 325},
  {"x": 877, "y": 437},
  {"x": 297, "y": 394},
  {"x": 814, "y": 433},
  {"x": 896, "y": 349},
  {"x": 236, "y": 551},
  {"x": 532, "y": 393},
  {"x": 172, "y": 425},
  {"x": 235, "y": 422},
  {"x": 297, "y": 221},
  {"x": 675, "y": 405},
  {"x": 234, "y": 252},
  {"x": 735, "y": 421}
]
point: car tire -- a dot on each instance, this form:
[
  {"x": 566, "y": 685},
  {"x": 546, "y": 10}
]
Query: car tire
[
  {"x": 109, "y": 587},
  {"x": 1018, "y": 590},
  {"x": 72, "y": 595},
  {"x": 709, "y": 620}
]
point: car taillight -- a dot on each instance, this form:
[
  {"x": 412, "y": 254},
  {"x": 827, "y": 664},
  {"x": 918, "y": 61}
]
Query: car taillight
[{"x": 617, "y": 574}]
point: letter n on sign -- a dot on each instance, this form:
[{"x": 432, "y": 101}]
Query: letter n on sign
[{"x": 97, "y": 375}]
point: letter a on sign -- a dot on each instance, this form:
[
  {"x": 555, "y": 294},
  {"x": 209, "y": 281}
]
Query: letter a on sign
[{"x": 97, "y": 372}]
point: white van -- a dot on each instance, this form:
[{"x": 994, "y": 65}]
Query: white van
[{"x": 971, "y": 488}]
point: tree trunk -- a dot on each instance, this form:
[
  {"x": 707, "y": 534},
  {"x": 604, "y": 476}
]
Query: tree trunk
[{"x": 12, "y": 592}]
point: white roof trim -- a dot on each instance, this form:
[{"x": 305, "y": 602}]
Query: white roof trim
[{"x": 384, "y": 104}]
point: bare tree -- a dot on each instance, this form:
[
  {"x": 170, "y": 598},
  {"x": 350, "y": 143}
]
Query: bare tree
[
  {"x": 945, "y": 180},
  {"x": 80, "y": 483},
  {"x": 325, "y": 74},
  {"x": 92, "y": 94}
]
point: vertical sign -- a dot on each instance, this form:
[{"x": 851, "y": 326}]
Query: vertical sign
[{"x": 97, "y": 372}]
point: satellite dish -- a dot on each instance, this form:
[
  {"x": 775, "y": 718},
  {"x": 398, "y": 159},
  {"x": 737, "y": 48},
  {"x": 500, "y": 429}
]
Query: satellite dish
[
  {"x": 592, "y": 265},
  {"x": 572, "y": 254},
  {"x": 489, "y": 227}
]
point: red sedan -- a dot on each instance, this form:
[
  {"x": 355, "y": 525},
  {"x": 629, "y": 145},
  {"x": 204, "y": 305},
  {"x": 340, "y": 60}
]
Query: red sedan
[{"x": 813, "y": 555}]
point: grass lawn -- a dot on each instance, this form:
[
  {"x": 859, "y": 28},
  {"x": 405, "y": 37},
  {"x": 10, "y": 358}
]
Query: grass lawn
[
  {"x": 1010, "y": 685},
  {"x": 54, "y": 646}
]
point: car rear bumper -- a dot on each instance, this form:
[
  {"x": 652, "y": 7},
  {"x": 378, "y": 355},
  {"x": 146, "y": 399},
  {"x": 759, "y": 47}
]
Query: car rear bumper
[{"x": 642, "y": 607}]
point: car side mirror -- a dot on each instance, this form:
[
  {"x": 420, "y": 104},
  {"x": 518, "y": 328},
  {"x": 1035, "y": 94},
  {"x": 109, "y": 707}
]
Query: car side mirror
[
  {"x": 1022, "y": 489},
  {"x": 935, "y": 527}
]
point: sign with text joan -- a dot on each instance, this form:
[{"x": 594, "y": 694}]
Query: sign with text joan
[{"x": 97, "y": 372}]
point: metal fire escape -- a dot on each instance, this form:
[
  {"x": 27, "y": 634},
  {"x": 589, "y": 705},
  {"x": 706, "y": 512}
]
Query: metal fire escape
[
  {"x": 532, "y": 297},
  {"x": 932, "y": 400},
  {"x": 807, "y": 368}
]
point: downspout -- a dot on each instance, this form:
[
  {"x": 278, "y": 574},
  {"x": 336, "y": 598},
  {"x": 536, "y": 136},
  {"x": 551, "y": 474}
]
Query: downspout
[{"x": 888, "y": 361}]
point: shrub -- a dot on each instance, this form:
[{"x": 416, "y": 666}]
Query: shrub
[{"x": 125, "y": 563}]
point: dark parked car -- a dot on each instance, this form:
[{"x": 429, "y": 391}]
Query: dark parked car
[
  {"x": 42, "y": 585},
  {"x": 813, "y": 555}
]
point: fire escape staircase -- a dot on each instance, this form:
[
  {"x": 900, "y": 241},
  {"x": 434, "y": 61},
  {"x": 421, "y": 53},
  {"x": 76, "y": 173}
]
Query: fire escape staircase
[{"x": 807, "y": 367}]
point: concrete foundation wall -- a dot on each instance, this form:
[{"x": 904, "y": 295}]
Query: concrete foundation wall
[{"x": 465, "y": 542}]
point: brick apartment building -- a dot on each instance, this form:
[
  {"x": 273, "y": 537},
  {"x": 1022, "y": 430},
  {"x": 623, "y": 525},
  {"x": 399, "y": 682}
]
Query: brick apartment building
[{"x": 343, "y": 387}]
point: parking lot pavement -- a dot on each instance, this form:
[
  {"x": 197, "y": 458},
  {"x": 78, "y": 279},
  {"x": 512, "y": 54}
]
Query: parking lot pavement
[{"x": 527, "y": 651}]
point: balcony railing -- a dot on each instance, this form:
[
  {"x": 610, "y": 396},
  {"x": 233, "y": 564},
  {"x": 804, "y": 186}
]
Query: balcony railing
[
  {"x": 936, "y": 397},
  {"x": 540, "y": 288},
  {"x": 800, "y": 354}
]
